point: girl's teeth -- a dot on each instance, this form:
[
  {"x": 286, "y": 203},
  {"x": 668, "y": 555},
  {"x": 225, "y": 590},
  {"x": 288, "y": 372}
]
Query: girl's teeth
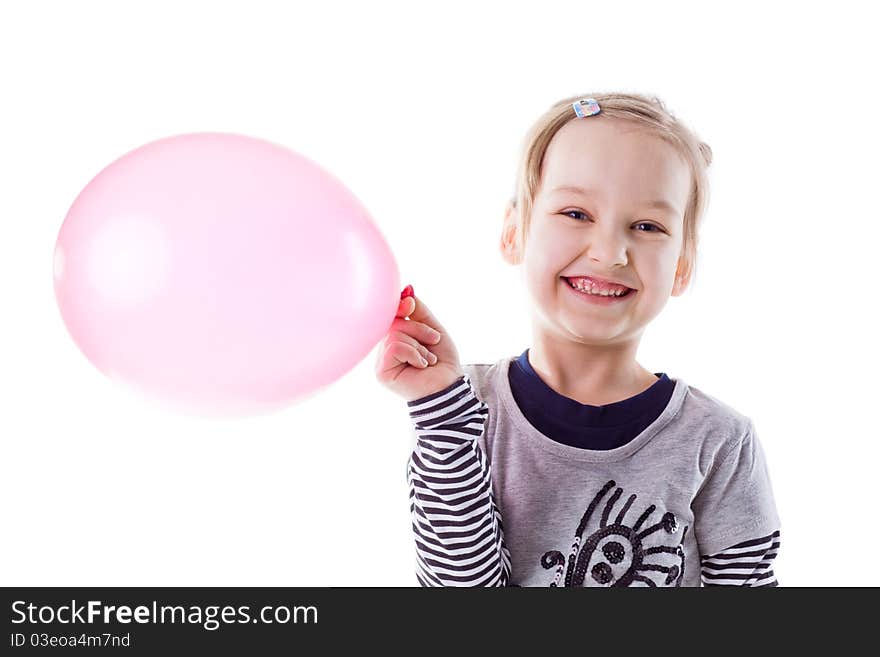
[{"x": 596, "y": 291}]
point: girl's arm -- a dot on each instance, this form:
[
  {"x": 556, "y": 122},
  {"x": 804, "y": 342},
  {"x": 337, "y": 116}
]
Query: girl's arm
[
  {"x": 458, "y": 529},
  {"x": 748, "y": 563},
  {"x": 735, "y": 507}
]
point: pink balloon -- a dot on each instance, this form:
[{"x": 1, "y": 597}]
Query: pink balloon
[{"x": 222, "y": 274}]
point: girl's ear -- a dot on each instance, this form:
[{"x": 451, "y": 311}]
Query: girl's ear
[
  {"x": 509, "y": 249},
  {"x": 682, "y": 277}
]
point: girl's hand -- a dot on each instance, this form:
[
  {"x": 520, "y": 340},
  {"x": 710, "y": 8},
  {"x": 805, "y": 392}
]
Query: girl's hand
[{"x": 408, "y": 344}]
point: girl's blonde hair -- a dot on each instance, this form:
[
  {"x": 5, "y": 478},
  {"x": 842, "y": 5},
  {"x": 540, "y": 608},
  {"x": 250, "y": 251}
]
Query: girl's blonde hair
[{"x": 646, "y": 112}]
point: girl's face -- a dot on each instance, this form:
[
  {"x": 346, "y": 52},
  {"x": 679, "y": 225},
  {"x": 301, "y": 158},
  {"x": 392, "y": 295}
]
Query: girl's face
[{"x": 610, "y": 230}]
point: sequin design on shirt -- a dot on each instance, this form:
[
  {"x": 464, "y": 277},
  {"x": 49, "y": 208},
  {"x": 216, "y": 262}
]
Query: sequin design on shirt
[{"x": 615, "y": 554}]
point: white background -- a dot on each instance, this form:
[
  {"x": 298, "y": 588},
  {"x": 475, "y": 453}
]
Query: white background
[{"x": 420, "y": 109}]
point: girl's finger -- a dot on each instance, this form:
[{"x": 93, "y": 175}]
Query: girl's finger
[
  {"x": 418, "y": 330},
  {"x": 406, "y": 306},
  {"x": 422, "y": 349},
  {"x": 402, "y": 353}
]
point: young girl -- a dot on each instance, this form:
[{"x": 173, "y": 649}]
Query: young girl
[{"x": 571, "y": 464}]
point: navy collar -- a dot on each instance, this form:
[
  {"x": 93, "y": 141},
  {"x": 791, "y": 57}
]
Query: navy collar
[{"x": 536, "y": 398}]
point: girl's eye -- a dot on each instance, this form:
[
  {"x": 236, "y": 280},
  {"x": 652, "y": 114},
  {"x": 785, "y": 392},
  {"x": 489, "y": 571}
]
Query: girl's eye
[
  {"x": 653, "y": 228},
  {"x": 571, "y": 212}
]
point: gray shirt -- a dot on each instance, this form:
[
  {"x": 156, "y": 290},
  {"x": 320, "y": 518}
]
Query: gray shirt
[{"x": 496, "y": 502}]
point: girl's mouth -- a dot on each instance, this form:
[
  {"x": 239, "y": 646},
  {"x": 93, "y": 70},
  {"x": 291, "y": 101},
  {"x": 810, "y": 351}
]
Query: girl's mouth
[{"x": 597, "y": 298}]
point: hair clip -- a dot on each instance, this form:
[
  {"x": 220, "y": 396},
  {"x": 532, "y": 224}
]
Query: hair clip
[{"x": 586, "y": 107}]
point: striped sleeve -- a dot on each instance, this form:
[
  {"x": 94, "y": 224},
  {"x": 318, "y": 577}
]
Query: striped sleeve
[
  {"x": 458, "y": 530},
  {"x": 749, "y": 563}
]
